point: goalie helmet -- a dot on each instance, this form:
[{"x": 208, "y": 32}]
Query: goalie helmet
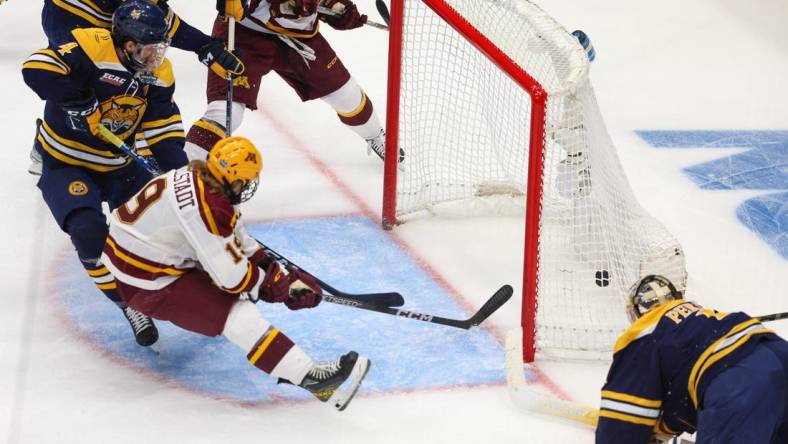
[
  {"x": 236, "y": 164},
  {"x": 144, "y": 24},
  {"x": 649, "y": 292}
]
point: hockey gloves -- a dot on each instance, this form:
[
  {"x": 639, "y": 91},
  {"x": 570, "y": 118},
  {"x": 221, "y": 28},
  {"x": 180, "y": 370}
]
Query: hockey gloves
[
  {"x": 296, "y": 290},
  {"x": 585, "y": 42},
  {"x": 221, "y": 61},
  {"x": 236, "y": 9},
  {"x": 346, "y": 15},
  {"x": 293, "y": 9},
  {"x": 275, "y": 286},
  {"x": 84, "y": 115},
  {"x": 304, "y": 291}
]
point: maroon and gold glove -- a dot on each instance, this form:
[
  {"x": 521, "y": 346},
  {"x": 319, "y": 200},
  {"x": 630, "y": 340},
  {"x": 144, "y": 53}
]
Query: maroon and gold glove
[
  {"x": 276, "y": 285},
  {"x": 293, "y": 8},
  {"x": 347, "y": 15},
  {"x": 304, "y": 291}
]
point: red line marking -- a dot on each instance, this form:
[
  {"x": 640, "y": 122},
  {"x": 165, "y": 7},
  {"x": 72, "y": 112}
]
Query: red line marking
[{"x": 302, "y": 147}]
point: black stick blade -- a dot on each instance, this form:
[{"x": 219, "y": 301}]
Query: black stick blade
[
  {"x": 494, "y": 303},
  {"x": 383, "y": 10},
  {"x": 391, "y": 299}
]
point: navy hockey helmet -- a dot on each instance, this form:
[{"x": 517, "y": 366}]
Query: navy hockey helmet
[
  {"x": 144, "y": 24},
  {"x": 139, "y": 21},
  {"x": 650, "y": 292}
]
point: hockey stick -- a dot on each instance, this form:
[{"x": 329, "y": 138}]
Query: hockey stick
[
  {"x": 381, "y": 300},
  {"x": 330, "y": 12},
  {"x": 494, "y": 303},
  {"x": 772, "y": 317},
  {"x": 228, "y": 121},
  {"x": 385, "y": 300},
  {"x": 383, "y": 10}
]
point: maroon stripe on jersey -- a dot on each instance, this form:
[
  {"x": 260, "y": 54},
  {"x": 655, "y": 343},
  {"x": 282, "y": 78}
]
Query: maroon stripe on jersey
[
  {"x": 360, "y": 117},
  {"x": 137, "y": 266},
  {"x": 272, "y": 352},
  {"x": 215, "y": 209},
  {"x": 254, "y": 4}
]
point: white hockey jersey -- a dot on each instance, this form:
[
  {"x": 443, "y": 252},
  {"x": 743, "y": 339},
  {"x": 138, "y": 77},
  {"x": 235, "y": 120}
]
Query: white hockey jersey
[
  {"x": 175, "y": 224},
  {"x": 263, "y": 18}
]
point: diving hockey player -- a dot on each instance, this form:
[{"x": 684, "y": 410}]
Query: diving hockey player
[
  {"x": 684, "y": 368},
  {"x": 120, "y": 80},
  {"x": 180, "y": 252}
]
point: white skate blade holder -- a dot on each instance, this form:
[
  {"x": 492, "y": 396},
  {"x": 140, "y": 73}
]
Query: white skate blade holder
[{"x": 344, "y": 393}]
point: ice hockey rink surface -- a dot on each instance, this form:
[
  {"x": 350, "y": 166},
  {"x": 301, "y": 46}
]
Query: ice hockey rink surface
[{"x": 695, "y": 98}]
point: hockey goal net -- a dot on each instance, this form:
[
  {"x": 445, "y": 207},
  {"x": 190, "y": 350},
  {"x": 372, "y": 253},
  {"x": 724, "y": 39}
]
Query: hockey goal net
[{"x": 491, "y": 101}]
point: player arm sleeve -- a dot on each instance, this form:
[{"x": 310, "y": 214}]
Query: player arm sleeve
[
  {"x": 182, "y": 35},
  {"x": 218, "y": 249},
  {"x": 250, "y": 246},
  {"x": 632, "y": 397},
  {"x": 57, "y": 76},
  {"x": 162, "y": 129}
]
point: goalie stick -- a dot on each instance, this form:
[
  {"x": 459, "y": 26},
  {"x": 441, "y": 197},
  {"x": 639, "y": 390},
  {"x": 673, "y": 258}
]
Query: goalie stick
[
  {"x": 378, "y": 300},
  {"x": 772, "y": 317},
  {"x": 494, "y": 303}
]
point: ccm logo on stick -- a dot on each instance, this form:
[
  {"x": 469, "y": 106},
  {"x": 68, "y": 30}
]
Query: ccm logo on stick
[{"x": 419, "y": 316}]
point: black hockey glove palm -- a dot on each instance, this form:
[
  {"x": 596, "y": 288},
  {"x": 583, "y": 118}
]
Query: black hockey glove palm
[{"x": 221, "y": 61}]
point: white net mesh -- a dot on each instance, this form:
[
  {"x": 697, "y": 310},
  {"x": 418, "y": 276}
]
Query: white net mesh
[{"x": 464, "y": 126}]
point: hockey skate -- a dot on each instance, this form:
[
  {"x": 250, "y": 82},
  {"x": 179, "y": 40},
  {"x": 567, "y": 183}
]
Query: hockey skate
[
  {"x": 35, "y": 157},
  {"x": 377, "y": 145},
  {"x": 337, "y": 382},
  {"x": 145, "y": 331}
]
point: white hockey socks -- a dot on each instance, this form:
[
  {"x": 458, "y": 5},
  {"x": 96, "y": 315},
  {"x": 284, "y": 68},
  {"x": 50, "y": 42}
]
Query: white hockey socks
[
  {"x": 272, "y": 352},
  {"x": 355, "y": 110}
]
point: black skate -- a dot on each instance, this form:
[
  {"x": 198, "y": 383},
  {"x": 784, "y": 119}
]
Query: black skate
[
  {"x": 337, "y": 382},
  {"x": 145, "y": 331}
]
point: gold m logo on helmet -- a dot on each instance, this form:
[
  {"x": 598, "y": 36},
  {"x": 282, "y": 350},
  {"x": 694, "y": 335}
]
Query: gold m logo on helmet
[
  {"x": 77, "y": 188},
  {"x": 250, "y": 157}
]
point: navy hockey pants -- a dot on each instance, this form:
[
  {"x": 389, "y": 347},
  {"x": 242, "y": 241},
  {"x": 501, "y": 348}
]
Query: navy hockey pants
[{"x": 748, "y": 402}]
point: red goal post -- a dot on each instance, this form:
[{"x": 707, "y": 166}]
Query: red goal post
[{"x": 455, "y": 69}]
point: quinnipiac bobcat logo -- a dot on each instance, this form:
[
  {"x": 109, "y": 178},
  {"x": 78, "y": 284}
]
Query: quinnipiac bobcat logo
[{"x": 123, "y": 114}]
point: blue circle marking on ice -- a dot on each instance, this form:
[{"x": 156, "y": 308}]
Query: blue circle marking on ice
[{"x": 352, "y": 254}]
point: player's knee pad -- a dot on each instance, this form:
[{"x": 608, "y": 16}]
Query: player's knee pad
[
  {"x": 245, "y": 325},
  {"x": 88, "y": 230}
]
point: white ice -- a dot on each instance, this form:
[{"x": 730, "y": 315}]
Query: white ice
[{"x": 673, "y": 64}]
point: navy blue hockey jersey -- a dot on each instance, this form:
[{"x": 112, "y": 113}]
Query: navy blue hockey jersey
[
  {"x": 60, "y": 17},
  {"x": 662, "y": 365},
  {"x": 89, "y": 62}
]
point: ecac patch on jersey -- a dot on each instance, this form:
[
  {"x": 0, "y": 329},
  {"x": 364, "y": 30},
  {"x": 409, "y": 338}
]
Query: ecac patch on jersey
[
  {"x": 112, "y": 79},
  {"x": 77, "y": 188}
]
